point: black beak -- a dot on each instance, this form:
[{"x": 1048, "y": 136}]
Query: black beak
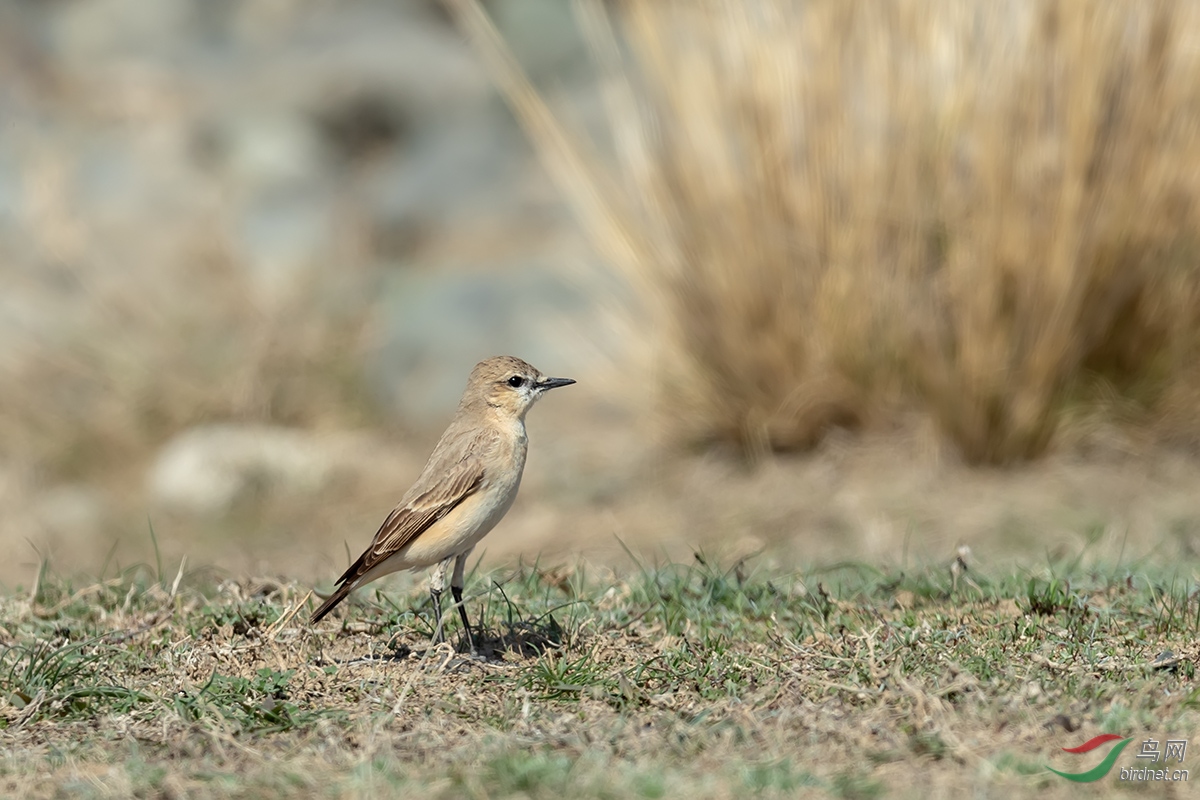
[{"x": 546, "y": 384}]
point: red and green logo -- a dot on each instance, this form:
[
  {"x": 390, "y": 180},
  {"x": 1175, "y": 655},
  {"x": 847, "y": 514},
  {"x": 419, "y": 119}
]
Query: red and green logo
[{"x": 1100, "y": 770}]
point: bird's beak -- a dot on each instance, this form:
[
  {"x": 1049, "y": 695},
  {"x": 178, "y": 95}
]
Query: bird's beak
[{"x": 546, "y": 384}]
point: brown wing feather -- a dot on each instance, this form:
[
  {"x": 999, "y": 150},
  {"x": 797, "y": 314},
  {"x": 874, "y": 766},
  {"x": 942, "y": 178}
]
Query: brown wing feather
[{"x": 406, "y": 522}]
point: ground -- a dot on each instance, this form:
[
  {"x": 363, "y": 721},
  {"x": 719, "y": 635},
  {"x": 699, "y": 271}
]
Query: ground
[
  {"x": 708, "y": 679},
  {"x": 870, "y": 618}
]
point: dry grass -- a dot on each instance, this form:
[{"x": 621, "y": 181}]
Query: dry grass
[
  {"x": 833, "y": 210},
  {"x": 700, "y": 680}
]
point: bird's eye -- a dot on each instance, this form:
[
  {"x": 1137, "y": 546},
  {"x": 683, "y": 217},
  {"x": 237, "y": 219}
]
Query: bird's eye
[{"x": 516, "y": 381}]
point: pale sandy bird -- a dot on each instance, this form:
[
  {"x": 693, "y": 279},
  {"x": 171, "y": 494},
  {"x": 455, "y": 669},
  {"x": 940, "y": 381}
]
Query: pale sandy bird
[{"x": 467, "y": 486}]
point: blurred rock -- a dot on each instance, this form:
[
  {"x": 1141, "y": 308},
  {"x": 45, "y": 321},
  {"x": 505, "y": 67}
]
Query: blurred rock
[
  {"x": 282, "y": 235},
  {"x": 97, "y": 30},
  {"x": 542, "y": 34},
  {"x": 280, "y": 126},
  {"x": 148, "y": 141},
  {"x": 361, "y": 125},
  {"x": 206, "y": 470},
  {"x": 317, "y": 58},
  {"x": 269, "y": 150},
  {"x": 472, "y": 167},
  {"x": 10, "y": 189}
]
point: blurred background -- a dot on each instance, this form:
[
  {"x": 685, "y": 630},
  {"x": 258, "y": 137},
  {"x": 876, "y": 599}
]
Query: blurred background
[{"x": 837, "y": 279}]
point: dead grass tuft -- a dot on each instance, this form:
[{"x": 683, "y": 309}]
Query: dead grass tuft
[{"x": 831, "y": 210}]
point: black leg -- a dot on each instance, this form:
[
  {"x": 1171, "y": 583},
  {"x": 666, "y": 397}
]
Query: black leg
[
  {"x": 438, "y": 635},
  {"x": 462, "y": 612}
]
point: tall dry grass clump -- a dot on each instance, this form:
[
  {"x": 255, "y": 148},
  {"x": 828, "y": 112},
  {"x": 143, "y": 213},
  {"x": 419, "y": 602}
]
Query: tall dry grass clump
[
  {"x": 832, "y": 208},
  {"x": 1069, "y": 219}
]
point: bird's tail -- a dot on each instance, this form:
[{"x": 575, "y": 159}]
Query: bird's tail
[
  {"x": 331, "y": 601},
  {"x": 345, "y": 585}
]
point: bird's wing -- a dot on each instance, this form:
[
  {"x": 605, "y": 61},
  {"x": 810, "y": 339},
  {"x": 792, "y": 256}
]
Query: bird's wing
[{"x": 412, "y": 518}]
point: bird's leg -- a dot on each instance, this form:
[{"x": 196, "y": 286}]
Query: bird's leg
[
  {"x": 437, "y": 584},
  {"x": 456, "y": 589}
]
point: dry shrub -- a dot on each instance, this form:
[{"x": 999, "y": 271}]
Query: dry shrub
[
  {"x": 1067, "y": 218},
  {"x": 830, "y": 207}
]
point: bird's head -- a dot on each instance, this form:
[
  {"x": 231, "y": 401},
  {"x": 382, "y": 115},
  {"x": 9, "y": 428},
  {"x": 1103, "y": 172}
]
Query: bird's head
[{"x": 509, "y": 384}]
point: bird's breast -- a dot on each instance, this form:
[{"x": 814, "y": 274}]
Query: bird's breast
[{"x": 477, "y": 514}]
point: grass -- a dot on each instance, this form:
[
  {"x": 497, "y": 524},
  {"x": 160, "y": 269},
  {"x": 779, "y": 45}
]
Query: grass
[
  {"x": 835, "y": 212},
  {"x": 720, "y": 680}
]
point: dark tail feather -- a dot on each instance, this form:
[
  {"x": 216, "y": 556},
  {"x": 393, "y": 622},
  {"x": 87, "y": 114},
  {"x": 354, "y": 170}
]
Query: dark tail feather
[
  {"x": 346, "y": 585},
  {"x": 330, "y": 602}
]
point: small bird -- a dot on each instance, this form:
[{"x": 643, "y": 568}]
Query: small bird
[{"x": 467, "y": 486}]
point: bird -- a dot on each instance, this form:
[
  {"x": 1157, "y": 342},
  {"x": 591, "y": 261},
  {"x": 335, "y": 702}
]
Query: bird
[{"x": 467, "y": 486}]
